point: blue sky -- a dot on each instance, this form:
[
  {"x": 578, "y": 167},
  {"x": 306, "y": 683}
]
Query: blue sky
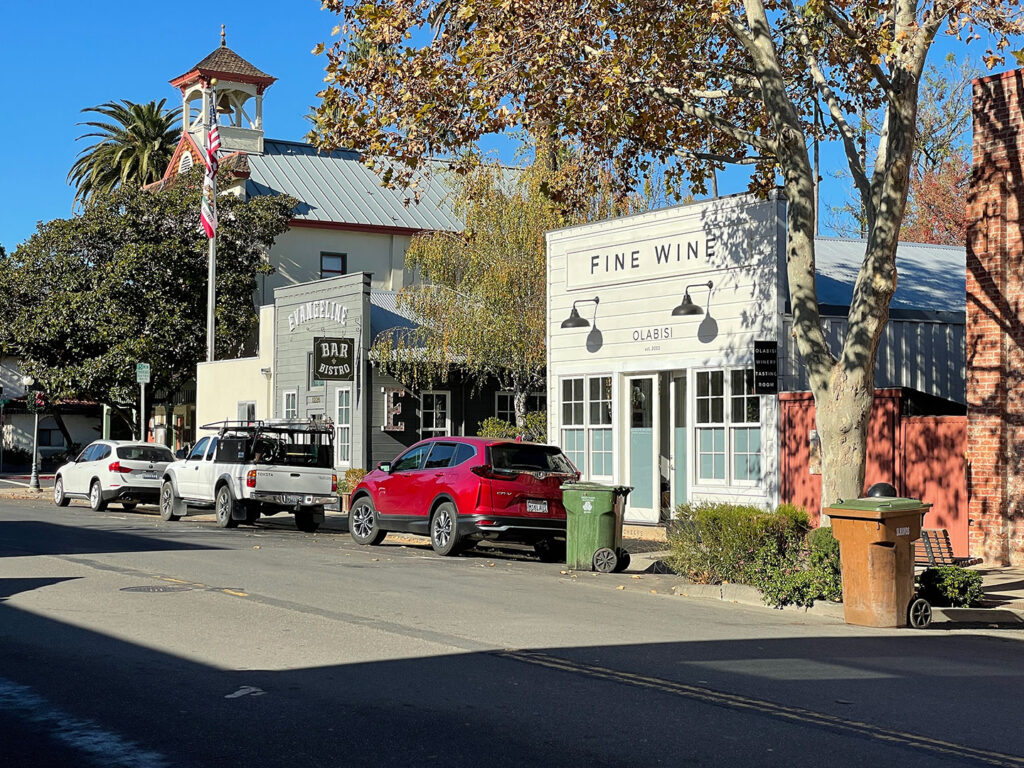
[{"x": 60, "y": 57}]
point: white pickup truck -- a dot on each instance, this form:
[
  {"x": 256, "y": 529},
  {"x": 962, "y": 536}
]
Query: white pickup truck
[{"x": 249, "y": 469}]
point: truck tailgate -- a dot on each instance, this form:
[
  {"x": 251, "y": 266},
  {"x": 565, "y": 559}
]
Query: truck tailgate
[{"x": 304, "y": 480}]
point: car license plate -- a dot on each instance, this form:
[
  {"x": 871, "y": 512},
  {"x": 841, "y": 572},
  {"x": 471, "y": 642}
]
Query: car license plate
[
  {"x": 150, "y": 476},
  {"x": 537, "y": 507}
]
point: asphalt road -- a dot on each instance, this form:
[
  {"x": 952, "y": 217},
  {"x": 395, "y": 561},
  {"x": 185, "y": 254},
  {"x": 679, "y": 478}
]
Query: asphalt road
[{"x": 128, "y": 641}]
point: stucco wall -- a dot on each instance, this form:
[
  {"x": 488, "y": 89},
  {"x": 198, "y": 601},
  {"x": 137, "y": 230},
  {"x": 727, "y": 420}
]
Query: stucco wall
[
  {"x": 223, "y": 384},
  {"x": 296, "y": 258}
]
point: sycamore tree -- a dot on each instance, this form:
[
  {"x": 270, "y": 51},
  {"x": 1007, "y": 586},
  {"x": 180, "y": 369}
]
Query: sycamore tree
[
  {"x": 84, "y": 299},
  {"x": 692, "y": 84}
]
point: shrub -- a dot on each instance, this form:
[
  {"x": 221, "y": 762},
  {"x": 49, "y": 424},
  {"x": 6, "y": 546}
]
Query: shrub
[
  {"x": 536, "y": 427},
  {"x": 950, "y": 585},
  {"x": 351, "y": 480},
  {"x": 17, "y": 457},
  {"x": 825, "y": 564},
  {"x": 806, "y": 572},
  {"x": 494, "y": 427},
  {"x": 713, "y": 542}
]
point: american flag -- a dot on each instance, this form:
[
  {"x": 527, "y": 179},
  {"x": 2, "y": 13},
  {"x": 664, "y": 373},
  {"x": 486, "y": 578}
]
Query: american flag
[{"x": 208, "y": 211}]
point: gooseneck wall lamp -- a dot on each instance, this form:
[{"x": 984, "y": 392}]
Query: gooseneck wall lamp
[
  {"x": 686, "y": 306},
  {"x": 574, "y": 320}
]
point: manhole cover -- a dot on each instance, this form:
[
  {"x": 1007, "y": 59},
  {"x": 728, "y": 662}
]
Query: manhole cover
[{"x": 157, "y": 588}]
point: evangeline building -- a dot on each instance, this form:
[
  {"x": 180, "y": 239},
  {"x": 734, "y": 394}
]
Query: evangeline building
[{"x": 669, "y": 337}]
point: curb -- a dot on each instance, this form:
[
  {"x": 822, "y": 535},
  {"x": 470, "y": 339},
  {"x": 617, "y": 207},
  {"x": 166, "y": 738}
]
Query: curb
[{"x": 742, "y": 594}]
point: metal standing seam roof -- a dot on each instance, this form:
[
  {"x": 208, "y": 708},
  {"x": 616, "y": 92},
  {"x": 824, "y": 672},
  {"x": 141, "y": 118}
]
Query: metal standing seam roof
[
  {"x": 930, "y": 277},
  {"x": 337, "y": 188}
]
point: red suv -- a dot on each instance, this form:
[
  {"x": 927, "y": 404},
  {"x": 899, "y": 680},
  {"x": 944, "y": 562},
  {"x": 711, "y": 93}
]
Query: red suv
[{"x": 459, "y": 490}]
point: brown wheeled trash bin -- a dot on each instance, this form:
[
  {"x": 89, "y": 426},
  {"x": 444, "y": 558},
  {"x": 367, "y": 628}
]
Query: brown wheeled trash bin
[{"x": 876, "y": 545}]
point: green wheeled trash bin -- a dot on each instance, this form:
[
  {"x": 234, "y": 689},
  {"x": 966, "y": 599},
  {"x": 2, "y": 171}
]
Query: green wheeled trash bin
[{"x": 593, "y": 535}]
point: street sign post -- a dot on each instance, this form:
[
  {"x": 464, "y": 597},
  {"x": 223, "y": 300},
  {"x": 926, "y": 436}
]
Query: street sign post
[{"x": 142, "y": 377}]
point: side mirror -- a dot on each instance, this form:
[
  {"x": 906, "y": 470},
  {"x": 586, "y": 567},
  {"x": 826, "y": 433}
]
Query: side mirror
[{"x": 384, "y": 466}]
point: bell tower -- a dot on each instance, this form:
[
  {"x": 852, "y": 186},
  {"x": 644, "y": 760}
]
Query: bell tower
[{"x": 239, "y": 86}]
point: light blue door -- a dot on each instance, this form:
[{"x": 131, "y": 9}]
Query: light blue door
[{"x": 642, "y": 411}]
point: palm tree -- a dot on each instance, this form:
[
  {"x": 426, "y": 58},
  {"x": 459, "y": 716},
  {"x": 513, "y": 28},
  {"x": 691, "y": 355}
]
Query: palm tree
[{"x": 133, "y": 148}]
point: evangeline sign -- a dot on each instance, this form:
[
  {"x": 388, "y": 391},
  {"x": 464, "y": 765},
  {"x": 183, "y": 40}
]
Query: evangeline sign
[
  {"x": 332, "y": 359},
  {"x": 317, "y": 310}
]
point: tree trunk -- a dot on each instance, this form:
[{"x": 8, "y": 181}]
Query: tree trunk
[
  {"x": 59, "y": 418},
  {"x": 843, "y": 412},
  {"x": 519, "y": 400}
]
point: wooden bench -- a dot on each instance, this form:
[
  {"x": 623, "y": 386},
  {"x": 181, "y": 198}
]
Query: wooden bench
[{"x": 933, "y": 549}]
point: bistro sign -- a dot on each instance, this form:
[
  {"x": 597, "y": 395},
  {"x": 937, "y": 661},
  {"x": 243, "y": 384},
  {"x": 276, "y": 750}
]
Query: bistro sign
[{"x": 332, "y": 359}]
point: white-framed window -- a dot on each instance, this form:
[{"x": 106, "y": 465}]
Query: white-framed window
[
  {"x": 435, "y": 414},
  {"x": 343, "y": 425},
  {"x": 246, "y": 410},
  {"x": 290, "y": 404},
  {"x": 727, "y": 427},
  {"x": 599, "y": 425},
  {"x": 505, "y": 405},
  {"x": 311, "y": 380},
  {"x": 586, "y": 404},
  {"x": 745, "y": 426},
  {"x": 574, "y": 423}
]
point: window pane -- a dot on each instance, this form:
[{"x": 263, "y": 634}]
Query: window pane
[
  {"x": 703, "y": 411},
  {"x": 702, "y": 384},
  {"x": 741, "y": 441},
  {"x": 463, "y": 453},
  {"x": 717, "y": 410},
  {"x": 755, "y": 440},
  {"x": 706, "y": 467},
  {"x": 719, "y": 440},
  {"x": 717, "y": 383},
  {"x": 739, "y": 467},
  {"x": 440, "y": 455}
]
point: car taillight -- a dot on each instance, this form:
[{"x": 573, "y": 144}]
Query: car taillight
[
  {"x": 116, "y": 467},
  {"x": 334, "y": 483},
  {"x": 490, "y": 473},
  {"x": 250, "y": 478}
]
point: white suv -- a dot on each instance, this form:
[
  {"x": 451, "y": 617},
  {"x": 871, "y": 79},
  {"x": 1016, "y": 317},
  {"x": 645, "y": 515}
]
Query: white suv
[{"x": 109, "y": 470}]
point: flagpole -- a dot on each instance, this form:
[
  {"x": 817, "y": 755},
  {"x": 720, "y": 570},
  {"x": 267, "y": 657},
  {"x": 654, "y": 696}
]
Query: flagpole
[
  {"x": 211, "y": 298},
  {"x": 211, "y": 273}
]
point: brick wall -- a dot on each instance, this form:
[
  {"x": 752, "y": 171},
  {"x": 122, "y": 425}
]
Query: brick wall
[{"x": 995, "y": 322}]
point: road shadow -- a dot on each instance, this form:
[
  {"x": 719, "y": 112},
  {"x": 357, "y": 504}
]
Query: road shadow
[
  {"x": 21, "y": 538},
  {"x": 787, "y": 701}
]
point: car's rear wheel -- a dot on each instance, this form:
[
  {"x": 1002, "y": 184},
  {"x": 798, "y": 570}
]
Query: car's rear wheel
[
  {"x": 444, "y": 530},
  {"x": 128, "y": 506},
  {"x": 363, "y": 525},
  {"x": 305, "y": 520},
  {"x": 96, "y": 497},
  {"x": 224, "y": 508},
  {"x": 58, "y": 493},
  {"x": 167, "y": 502}
]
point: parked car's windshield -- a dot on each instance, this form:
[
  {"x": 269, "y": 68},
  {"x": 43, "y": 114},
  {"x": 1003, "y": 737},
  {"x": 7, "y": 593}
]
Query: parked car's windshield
[
  {"x": 144, "y": 453},
  {"x": 530, "y": 457}
]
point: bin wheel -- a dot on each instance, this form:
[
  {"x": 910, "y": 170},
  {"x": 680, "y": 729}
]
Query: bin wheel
[
  {"x": 605, "y": 560},
  {"x": 919, "y": 614},
  {"x": 623, "y": 557}
]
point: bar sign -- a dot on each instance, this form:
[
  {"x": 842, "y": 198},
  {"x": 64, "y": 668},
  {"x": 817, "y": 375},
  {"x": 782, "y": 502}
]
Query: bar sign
[{"x": 766, "y": 367}]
